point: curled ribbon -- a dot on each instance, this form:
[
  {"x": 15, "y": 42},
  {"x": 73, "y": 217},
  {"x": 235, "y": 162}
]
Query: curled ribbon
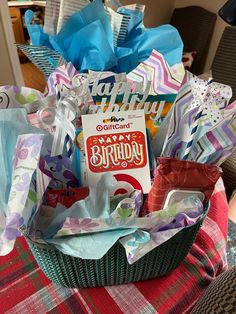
[{"x": 61, "y": 118}]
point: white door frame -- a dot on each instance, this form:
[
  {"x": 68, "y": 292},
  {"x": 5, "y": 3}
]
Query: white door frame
[{"x": 9, "y": 39}]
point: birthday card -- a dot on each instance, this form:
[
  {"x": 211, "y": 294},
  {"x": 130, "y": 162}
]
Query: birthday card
[{"x": 116, "y": 142}]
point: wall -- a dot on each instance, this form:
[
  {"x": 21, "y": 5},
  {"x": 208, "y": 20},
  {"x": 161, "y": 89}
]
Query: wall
[
  {"x": 213, "y": 6},
  {"x": 157, "y": 12},
  {"x": 6, "y": 73},
  {"x": 10, "y": 73}
]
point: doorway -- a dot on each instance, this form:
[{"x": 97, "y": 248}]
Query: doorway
[{"x": 16, "y": 32}]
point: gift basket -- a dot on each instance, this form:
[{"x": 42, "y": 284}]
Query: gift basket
[{"x": 108, "y": 174}]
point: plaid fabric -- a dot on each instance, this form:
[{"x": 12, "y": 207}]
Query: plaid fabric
[{"x": 25, "y": 289}]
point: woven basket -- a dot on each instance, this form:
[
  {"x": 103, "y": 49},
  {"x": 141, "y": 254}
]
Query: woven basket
[{"x": 113, "y": 268}]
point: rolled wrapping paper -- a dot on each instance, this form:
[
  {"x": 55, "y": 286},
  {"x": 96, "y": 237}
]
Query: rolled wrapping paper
[
  {"x": 175, "y": 174},
  {"x": 13, "y": 125},
  {"x": 197, "y": 120},
  {"x": 24, "y": 164}
]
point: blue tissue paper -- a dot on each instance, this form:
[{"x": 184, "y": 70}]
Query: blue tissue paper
[
  {"x": 92, "y": 52},
  {"x": 36, "y": 33},
  {"x": 87, "y": 40}
]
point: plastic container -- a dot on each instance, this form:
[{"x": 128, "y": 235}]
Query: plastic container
[{"x": 113, "y": 268}]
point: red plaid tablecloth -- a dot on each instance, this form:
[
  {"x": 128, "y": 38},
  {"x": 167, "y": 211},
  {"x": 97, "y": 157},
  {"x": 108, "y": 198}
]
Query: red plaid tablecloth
[{"x": 25, "y": 289}]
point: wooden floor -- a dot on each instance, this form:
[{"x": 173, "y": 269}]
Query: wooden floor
[{"x": 32, "y": 76}]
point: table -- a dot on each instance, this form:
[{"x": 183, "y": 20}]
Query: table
[{"x": 25, "y": 289}]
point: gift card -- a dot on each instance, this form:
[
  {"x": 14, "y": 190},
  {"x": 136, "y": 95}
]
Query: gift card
[{"x": 116, "y": 142}]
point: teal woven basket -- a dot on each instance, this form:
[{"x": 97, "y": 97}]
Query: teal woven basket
[{"x": 113, "y": 268}]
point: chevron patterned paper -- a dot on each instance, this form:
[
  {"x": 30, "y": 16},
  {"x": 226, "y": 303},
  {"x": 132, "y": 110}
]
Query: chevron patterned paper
[
  {"x": 172, "y": 143},
  {"x": 45, "y": 59},
  {"x": 216, "y": 145},
  {"x": 214, "y": 110},
  {"x": 165, "y": 79},
  {"x": 62, "y": 78}
]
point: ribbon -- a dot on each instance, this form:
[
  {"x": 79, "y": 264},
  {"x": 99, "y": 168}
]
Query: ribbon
[{"x": 61, "y": 118}]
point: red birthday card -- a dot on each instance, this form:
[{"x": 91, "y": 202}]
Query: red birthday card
[{"x": 116, "y": 142}]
